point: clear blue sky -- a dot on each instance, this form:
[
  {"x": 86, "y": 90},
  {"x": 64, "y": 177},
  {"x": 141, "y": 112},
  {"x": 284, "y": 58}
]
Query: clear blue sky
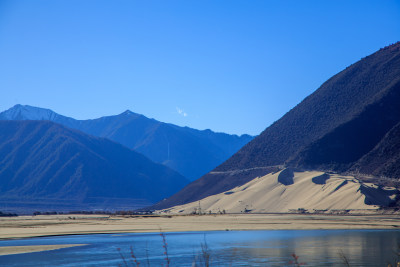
[{"x": 231, "y": 66}]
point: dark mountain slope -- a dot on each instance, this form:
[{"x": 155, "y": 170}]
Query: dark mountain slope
[
  {"x": 346, "y": 144},
  {"x": 384, "y": 159},
  {"x": 337, "y": 101},
  {"x": 191, "y": 152},
  {"x": 330, "y": 130},
  {"x": 44, "y": 162}
]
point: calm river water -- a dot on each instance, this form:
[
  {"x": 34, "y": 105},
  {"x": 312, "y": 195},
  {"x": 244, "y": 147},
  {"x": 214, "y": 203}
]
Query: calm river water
[{"x": 225, "y": 248}]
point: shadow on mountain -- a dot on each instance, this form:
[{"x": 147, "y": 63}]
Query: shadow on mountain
[
  {"x": 286, "y": 176},
  {"x": 321, "y": 179},
  {"x": 378, "y": 196}
]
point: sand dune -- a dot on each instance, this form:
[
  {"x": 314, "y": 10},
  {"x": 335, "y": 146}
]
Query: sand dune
[{"x": 292, "y": 191}]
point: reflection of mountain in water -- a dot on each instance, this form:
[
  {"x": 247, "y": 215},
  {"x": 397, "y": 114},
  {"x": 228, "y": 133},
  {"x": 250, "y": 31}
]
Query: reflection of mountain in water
[{"x": 316, "y": 247}]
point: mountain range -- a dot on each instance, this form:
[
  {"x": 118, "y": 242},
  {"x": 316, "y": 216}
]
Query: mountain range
[
  {"x": 191, "y": 152},
  {"x": 349, "y": 125},
  {"x": 338, "y": 140},
  {"x": 44, "y": 165}
]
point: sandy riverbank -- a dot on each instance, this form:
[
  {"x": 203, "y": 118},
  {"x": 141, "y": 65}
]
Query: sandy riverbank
[
  {"x": 28, "y": 249},
  {"x": 47, "y": 225}
]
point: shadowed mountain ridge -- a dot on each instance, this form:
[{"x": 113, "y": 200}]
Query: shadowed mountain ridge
[
  {"x": 189, "y": 151},
  {"x": 41, "y": 161}
]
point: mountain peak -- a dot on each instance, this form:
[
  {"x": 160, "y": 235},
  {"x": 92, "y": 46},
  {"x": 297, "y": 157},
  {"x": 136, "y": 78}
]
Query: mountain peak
[
  {"x": 127, "y": 112},
  {"x": 20, "y": 107},
  {"x": 26, "y": 112}
]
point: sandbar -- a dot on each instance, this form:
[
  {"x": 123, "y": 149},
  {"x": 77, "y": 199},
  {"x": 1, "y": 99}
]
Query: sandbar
[
  {"x": 52, "y": 225},
  {"x": 36, "y": 248}
]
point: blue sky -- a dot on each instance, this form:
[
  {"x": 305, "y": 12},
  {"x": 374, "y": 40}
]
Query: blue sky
[{"x": 231, "y": 66}]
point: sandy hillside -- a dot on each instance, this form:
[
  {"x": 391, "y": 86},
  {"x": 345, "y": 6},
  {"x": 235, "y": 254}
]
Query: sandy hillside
[{"x": 291, "y": 191}]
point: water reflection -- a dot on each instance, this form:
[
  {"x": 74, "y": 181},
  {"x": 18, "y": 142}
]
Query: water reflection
[
  {"x": 235, "y": 248},
  {"x": 319, "y": 248}
]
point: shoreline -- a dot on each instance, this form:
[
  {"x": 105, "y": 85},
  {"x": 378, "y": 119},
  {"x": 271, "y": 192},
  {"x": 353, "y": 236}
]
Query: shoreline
[
  {"x": 27, "y": 227},
  {"x": 59, "y": 225},
  {"x": 13, "y": 250}
]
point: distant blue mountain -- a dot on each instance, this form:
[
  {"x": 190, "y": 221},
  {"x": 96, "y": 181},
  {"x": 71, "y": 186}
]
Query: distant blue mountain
[
  {"x": 44, "y": 166},
  {"x": 191, "y": 152}
]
